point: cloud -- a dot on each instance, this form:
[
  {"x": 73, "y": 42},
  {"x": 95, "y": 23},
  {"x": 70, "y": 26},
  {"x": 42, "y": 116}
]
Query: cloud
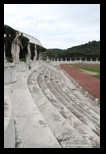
[{"x": 56, "y": 25}]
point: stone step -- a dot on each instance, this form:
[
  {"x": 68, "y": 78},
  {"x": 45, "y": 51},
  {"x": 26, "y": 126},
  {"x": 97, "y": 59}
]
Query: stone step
[
  {"x": 76, "y": 104},
  {"x": 72, "y": 87},
  {"x": 91, "y": 104},
  {"x": 44, "y": 72},
  {"x": 51, "y": 100},
  {"x": 63, "y": 94},
  {"x": 74, "y": 93},
  {"x": 61, "y": 128}
]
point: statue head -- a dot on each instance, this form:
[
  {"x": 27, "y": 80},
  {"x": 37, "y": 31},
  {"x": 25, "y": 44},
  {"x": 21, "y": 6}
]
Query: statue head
[{"x": 17, "y": 34}]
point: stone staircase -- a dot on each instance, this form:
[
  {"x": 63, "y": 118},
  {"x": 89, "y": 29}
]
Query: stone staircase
[{"x": 72, "y": 117}]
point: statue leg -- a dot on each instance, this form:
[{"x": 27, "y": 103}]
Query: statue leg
[{"x": 17, "y": 53}]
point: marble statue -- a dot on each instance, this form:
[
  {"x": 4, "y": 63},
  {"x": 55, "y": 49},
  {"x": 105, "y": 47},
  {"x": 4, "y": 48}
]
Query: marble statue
[
  {"x": 29, "y": 52},
  {"x": 47, "y": 58},
  {"x": 15, "y": 48},
  {"x": 35, "y": 51},
  {"x": 40, "y": 55}
]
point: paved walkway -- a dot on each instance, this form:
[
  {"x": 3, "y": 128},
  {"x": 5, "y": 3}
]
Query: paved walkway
[{"x": 91, "y": 84}]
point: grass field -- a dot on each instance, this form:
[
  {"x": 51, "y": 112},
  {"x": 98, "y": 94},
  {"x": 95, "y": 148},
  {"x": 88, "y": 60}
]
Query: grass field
[{"x": 91, "y": 68}]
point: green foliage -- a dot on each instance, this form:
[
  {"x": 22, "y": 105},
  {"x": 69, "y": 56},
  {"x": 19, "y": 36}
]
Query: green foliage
[
  {"x": 23, "y": 50},
  {"x": 10, "y": 35},
  {"x": 90, "y": 49},
  {"x": 32, "y": 47},
  {"x": 54, "y": 53},
  {"x": 22, "y": 59},
  {"x": 24, "y": 40},
  {"x": 9, "y": 31},
  {"x": 9, "y": 59},
  {"x": 39, "y": 48}
]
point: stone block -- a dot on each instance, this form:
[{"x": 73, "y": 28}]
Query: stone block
[
  {"x": 20, "y": 67},
  {"x": 9, "y": 73}
]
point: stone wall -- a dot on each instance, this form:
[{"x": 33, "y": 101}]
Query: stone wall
[
  {"x": 9, "y": 129},
  {"x": 21, "y": 66},
  {"x": 9, "y": 73}
]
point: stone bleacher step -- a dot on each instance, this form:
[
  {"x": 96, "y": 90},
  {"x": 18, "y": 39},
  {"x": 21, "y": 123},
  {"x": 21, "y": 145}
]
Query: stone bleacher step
[
  {"x": 77, "y": 105},
  {"x": 60, "y": 127},
  {"x": 92, "y": 104},
  {"x": 47, "y": 94},
  {"x": 70, "y": 95}
]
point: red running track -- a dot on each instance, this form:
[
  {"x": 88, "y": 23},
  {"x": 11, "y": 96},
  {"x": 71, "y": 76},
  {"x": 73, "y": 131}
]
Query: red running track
[{"x": 91, "y": 84}]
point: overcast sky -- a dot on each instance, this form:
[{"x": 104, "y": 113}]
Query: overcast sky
[{"x": 56, "y": 25}]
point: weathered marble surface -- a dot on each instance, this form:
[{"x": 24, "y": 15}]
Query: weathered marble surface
[
  {"x": 15, "y": 48},
  {"x": 35, "y": 132},
  {"x": 9, "y": 73},
  {"x": 29, "y": 52},
  {"x": 21, "y": 66},
  {"x": 9, "y": 130}
]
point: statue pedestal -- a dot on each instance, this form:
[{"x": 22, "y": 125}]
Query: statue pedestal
[
  {"x": 32, "y": 63},
  {"x": 5, "y": 61},
  {"x": 20, "y": 67},
  {"x": 9, "y": 73}
]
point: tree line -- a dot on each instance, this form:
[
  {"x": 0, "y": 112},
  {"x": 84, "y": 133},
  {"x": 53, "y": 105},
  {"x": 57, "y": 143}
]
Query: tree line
[{"x": 88, "y": 50}]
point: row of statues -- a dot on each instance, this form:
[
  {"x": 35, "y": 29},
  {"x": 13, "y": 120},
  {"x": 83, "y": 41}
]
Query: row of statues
[{"x": 15, "y": 50}]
